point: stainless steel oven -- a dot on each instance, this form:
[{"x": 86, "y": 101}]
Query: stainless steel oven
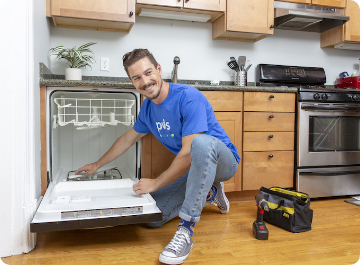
[{"x": 328, "y": 142}]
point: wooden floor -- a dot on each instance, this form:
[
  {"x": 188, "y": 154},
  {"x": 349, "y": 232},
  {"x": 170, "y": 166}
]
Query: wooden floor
[{"x": 218, "y": 239}]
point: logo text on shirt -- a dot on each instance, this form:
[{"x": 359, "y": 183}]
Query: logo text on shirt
[{"x": 162, "y": 125}]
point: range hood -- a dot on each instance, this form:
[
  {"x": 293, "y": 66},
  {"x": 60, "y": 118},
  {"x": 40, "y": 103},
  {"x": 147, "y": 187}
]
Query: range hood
[{"x": 302, "y": 17}]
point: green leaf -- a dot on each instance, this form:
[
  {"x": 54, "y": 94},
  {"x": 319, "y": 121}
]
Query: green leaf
[{"x": 75, "y": 57}]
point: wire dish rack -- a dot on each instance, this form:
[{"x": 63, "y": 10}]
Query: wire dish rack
[{"x": 93, "y": 113}]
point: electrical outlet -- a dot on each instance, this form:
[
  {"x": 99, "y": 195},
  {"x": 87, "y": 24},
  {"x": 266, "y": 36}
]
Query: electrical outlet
[{"x": 104, "y": 64}]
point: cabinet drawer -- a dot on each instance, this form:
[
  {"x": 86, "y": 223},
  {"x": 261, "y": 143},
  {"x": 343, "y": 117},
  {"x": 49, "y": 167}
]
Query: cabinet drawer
[
  {"x": 259, "y": 169},
  {"x": 268, "y": 141},
  {"x": 269, "y": 121},
  {"x": 225, "y": 100},
  {"x": 264, "y": 101}
]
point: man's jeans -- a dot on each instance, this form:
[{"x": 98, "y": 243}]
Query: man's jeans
[{"x": 211, "y": 161}]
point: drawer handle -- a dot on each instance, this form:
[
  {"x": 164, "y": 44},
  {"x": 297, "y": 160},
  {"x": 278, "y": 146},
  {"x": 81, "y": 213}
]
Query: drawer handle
[
  {"x": 271, "y": 156},
  {"x": 271, "y": 116},
  {"x": 272, "y": 96},
  {"x": 271, "y": 136},
  {"x": 131, "y": 14}
]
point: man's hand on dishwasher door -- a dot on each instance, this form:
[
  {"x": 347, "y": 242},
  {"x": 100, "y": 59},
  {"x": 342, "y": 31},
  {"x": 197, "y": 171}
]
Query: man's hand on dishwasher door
[
  {"x": 145, "y": 186},
  {"x": 89, "y": 169}
]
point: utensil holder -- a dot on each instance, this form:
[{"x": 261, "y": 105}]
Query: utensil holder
[{"x": 241, "y": 78}]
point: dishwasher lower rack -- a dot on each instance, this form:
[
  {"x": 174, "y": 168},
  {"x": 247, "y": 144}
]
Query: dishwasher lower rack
[{"x": 88, "y": 113}]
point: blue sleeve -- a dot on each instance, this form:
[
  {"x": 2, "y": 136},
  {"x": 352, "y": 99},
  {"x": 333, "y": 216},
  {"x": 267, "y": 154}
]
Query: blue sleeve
[
  {"x": 140, "y": 125},
  {"x": 194, "y": 118}
]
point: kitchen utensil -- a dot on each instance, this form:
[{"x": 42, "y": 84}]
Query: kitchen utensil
[
  {"x": 234, "y": 65},
  {"x": 241, "y": 62},
  {"x": 247, "y": 68}
]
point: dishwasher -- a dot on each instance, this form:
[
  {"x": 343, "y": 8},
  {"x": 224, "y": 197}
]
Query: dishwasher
[{"x": 81, "y": 126}]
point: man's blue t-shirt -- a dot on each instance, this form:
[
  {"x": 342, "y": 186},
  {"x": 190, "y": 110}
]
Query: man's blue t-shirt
[{"x": 185, "y": 111}]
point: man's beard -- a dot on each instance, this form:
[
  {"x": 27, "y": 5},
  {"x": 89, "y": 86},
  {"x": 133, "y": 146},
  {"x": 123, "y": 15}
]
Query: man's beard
[{"x": 157, "y": 94}]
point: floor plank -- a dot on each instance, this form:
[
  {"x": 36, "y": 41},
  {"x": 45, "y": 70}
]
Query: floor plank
[{"x": 218, "y": 239}]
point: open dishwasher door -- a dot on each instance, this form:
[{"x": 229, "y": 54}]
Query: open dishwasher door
[{"x": 82, "y": 125}]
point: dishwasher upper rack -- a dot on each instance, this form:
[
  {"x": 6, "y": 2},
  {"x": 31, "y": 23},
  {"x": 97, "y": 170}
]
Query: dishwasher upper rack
[{"x": 87, "y": 113}]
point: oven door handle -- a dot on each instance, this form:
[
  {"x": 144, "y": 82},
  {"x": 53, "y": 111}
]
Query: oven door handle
[
  {"x": 317, "y": 107},
  {"x": 325, "y": 173}
]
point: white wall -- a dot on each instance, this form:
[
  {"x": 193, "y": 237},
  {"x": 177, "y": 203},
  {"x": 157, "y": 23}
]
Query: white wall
[
  {"x": 202, "y": 58},
  {"x": 23, "y": 26}
]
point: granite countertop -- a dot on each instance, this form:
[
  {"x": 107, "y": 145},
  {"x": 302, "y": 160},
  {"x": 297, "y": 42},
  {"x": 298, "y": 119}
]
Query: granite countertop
[{"x": 49, "y": 79}]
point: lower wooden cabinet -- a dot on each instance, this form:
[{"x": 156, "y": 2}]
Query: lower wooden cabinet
[
  {"x": 268, "y": 169},
  {"x": 269, "y": 140},
  {"x": 232, "y": 124}
]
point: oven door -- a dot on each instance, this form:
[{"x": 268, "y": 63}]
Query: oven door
[{"x": 328, "y": 134}]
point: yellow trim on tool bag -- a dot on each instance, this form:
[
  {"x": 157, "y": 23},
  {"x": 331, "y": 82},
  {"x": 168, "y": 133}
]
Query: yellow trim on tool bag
[
  {"x": 274, "y": 206},
  {"x": 293, "y": 193}
]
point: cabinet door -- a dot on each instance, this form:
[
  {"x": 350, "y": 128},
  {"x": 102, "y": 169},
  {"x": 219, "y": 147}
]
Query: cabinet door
[
  {"x": 268, "y": 169},
  {"x": 352, "y": 27},
  {"x": 269, "y": 121},
  {"x": 332, "y": 3},
  {"x": 104, "y": 10},
  {"x": 211, "y": 5},
  {"x": 267, "y": 141},
  {"x": 250, "y": 16},
  {"x": 232, "y": 123},
  {"x": 265, "y": 101}
]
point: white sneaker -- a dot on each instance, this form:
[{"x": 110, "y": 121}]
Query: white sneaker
[{"x": 178, "y": 249}]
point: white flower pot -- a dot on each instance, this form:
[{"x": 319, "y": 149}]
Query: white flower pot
[{"x": 73, "y": 74}]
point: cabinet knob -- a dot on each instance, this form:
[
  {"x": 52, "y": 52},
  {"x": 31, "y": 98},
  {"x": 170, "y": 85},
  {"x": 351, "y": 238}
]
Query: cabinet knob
[
  {"x": 272, "y": 96},
  {"x": 187, "y": 0},
  {"x": 272, "y": 26},
  {"x": 271, "y": 156},
  {"x": 271, "y": 116},
  {"x": 271, "y": 136},
  {"x": 131, "y": 14}
]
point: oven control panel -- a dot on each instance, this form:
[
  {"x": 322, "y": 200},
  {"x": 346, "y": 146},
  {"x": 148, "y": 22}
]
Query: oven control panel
[
  {"x": 285, "y": 74},
  {"x": 329, "y": 95}
]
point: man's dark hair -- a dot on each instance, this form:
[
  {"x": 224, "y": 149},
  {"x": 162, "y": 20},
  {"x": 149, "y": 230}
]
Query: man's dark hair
[{"x": 132, "y": 57}]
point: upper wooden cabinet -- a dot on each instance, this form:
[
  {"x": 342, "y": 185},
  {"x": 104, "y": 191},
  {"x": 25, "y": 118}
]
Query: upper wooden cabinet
[
  {"x": 330, "y": 3},
  {"x": 348, "y": 33},
  {"x": 214, "y": 8},
  {"x": 210, "y": 5},
  {"x": 245, "y": 21},
  {"x": 106, "y": 15}
]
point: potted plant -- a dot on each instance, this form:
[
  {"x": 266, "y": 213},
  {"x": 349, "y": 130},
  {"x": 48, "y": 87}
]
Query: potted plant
[{"x": 75, "y": 58}]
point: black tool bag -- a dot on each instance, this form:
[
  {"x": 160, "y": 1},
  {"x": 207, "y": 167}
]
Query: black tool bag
[{"x": 288, "y": 209}]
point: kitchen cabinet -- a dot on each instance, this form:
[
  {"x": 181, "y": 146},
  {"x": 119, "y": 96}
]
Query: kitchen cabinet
[
  {"x": 227, "y": 105},
  {"x": 268, "y": 140},
  {"x": 349, "y": 33},
  {"x": 245, "y": 21},
  {"x": 210, "y": 5},
  {"x": 104, "y": 15},
  {"x": 214, "y": 8},
  {"x": 330, "y": 3}
]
